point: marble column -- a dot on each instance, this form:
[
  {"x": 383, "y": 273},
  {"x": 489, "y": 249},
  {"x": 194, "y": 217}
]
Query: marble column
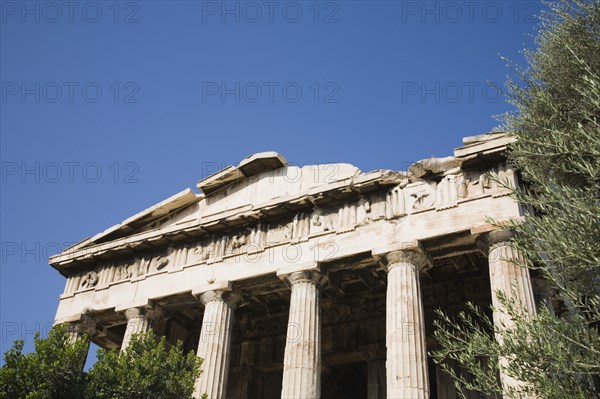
[
  {"x": 376, "y": 378},
  {"x": 405, "y": 326},
  {"x": 215, "y": 342},
  {"x": 85, "y": 326},
  {"x": 509, "y": 277},
  {"x": 138, "y": 321},
  {"x": 76, "y": 332},
  {"x": 302, "y": 357}
]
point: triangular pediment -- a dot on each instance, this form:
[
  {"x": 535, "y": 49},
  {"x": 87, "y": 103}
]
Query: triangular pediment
[
  {"x": 265, "y": 190},
  {"x": 259, "y": 179},
  {"x": 137, "y": 222}
]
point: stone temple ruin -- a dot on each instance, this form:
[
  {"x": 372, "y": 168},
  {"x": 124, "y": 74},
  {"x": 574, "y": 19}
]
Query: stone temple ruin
[{"x": 309, "y": 282}]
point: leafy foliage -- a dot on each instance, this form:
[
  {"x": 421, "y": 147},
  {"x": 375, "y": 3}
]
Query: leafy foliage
[
  {"x": 556, "y": 353},
  {"x": 53, "y": 371},
  {"x": 147, "y": 369}
]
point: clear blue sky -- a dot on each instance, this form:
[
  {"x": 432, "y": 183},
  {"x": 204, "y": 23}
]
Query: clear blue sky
[{"x": 108, "y": 108}]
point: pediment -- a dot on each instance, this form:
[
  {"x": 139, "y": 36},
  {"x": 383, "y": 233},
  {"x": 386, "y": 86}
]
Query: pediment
[
  {"x": 264, "y": 188},
  {"x": 259, "y": 179},
  {"x": 150, "y": 216}
]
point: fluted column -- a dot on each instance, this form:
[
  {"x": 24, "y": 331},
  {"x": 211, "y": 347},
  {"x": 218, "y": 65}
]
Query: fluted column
[
  {"x": 302, "y": 357},
  {"x": 215, "y": 342},
  {"x": 78, "y": 329},
  {"x": 138, "y": 321},
  {"x": 509, "y": 277},
  {"x": 405, "y": 326}
]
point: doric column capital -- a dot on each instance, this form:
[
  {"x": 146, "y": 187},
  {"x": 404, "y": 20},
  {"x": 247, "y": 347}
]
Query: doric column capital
[
  {"x": 306, "y": 276},
  {"x": 407, "y": 252},
  {"x": 87, "y": 321},
  {"x": 140, "y": 319},
  {"x": 492, "y": 239},
  {"x": 219, "y": 291},
  {"x": 416, "y": 257},
  {"x": 228, "y": 297},
  {"x": 141, "y": 313},
  {"x": 85, "y": 325}
]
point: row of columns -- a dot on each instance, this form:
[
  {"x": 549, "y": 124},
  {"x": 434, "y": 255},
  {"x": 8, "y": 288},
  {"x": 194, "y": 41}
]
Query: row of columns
[{"x": 406, "y": 366}]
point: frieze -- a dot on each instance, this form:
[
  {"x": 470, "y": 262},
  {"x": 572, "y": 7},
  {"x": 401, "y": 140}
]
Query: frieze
[
  {"x": 89, "y": 280},
  {"x": 419, "y": 196},
  {"x": 454, "y": 186},
  {"x": 395, "y": 203},
  {"x": 398, "y": 202}
]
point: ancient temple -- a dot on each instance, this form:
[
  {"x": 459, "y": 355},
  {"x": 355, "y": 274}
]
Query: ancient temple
[{"x": 306, "y": 282}]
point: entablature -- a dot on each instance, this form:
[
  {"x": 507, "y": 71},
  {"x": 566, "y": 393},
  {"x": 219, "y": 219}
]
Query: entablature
[
  {"x": 319, "y": 197},
  {"x": 437, "y": 198}
]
